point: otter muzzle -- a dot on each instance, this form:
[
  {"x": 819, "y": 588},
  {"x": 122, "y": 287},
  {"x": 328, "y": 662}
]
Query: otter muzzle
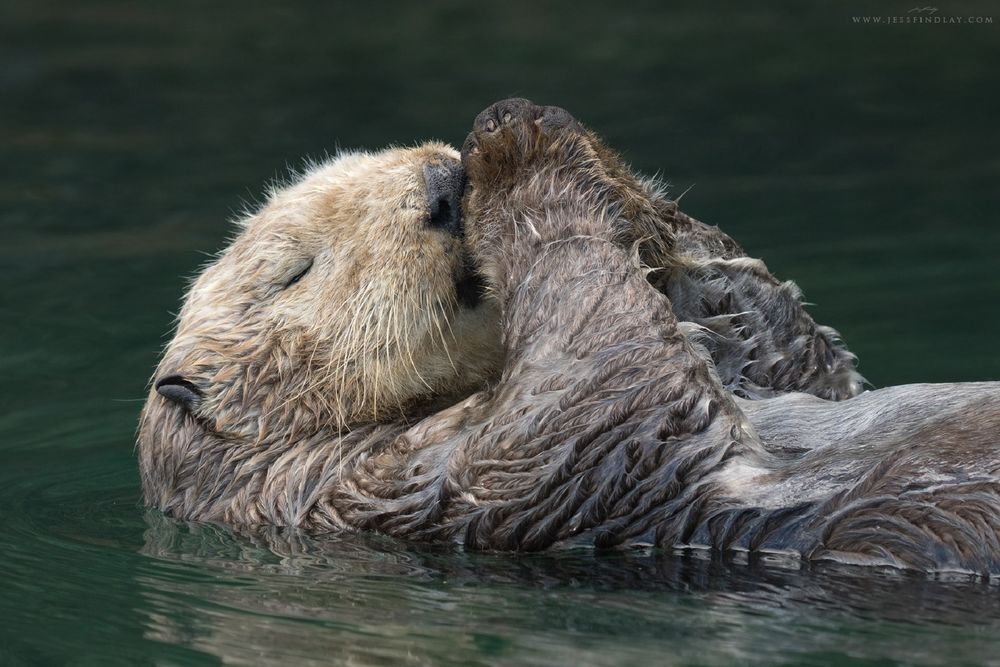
[{"x": 445, "y": 184}]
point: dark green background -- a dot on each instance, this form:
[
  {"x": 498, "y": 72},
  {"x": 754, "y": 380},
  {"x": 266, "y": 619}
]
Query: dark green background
[{"x": 860, "y": 161}]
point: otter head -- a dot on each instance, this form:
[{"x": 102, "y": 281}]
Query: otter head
[{"x": 346, "y": 299}]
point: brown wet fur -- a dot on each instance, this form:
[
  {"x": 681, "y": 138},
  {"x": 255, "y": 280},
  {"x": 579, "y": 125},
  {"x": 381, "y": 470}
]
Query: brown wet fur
[
  {"x": 609, "y": 423},
  {"x": 372, "y": 338},
  {"x": 755, "y": 328},
  {"x": 609, "y": 426}
]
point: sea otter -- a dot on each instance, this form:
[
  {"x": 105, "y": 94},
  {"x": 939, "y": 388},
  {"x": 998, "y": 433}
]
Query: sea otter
[
  {"x": 609, "y": 424},
  {"x": 348, "y": 308}
]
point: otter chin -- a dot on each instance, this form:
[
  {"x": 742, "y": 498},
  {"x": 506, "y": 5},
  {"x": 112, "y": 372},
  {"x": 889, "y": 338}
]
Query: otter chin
[{"x": 348, "y": 299}]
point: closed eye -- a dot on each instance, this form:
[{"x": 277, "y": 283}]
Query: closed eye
[{"x": 300, "y": 275}]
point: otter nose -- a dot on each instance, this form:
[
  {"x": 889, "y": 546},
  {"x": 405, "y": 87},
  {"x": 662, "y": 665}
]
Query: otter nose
[
  {"x": 179, "y": 390},
  {"x": 445, "y": 183}
]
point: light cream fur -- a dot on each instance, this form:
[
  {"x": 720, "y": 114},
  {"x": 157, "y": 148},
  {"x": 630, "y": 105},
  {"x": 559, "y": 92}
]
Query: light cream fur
[{"x": 372, "y": 327}]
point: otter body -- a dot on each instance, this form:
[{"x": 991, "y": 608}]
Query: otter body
[
  {"x": 346, "y": 309},
  {"x": 600, "y": 404}
]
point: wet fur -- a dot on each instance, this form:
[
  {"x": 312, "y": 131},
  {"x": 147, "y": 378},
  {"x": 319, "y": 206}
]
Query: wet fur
[
  {"x": 612, "y": 422},
  {"x": 610, "y": 426},
  {"x": 755, "y": 327},
  {"x": 372, "y": 340}
]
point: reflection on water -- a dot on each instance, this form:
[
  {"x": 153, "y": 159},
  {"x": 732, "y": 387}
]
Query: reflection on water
[
  {"x": 861, "y": 162},
  {"x": 274, "y": 595}
]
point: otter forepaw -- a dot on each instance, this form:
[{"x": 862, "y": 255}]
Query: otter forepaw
[
  {"x": 522, "y": 161},
  {"x": 512, "y": 133}
]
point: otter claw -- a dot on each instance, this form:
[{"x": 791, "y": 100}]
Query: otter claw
[
  {"x": 471, "y": 145},
  {"x": 556, "y": 118},
  {"x": 503, "y": 113}
]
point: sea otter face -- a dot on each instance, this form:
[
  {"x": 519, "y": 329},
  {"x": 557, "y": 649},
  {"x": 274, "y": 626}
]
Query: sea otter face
[{"x": 346, "y": 298}]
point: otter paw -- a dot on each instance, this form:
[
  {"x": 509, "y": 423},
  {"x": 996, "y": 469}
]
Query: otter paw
[{"x": 513, "y": 133}]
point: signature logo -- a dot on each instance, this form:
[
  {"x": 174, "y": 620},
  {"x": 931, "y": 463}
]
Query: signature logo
[{"x": 923, "y": 10}]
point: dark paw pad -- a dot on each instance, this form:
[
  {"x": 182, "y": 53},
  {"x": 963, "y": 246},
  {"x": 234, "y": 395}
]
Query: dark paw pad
[
  {"x": 508, "y": 131},
  {"x": 553, "y": 119},
  {"x": 505, "y": 113}
]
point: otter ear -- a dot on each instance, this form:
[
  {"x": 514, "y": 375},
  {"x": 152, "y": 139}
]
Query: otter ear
[{"x": 179, "y": 390}]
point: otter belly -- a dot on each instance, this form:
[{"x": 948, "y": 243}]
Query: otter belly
[{"x": 813, "y": 447}]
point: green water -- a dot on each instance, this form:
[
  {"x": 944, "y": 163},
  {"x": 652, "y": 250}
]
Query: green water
[{"x": 861, "y": 161}]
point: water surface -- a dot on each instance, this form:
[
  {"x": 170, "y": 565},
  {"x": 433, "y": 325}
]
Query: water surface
[{"x": 861, "y": 161}]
